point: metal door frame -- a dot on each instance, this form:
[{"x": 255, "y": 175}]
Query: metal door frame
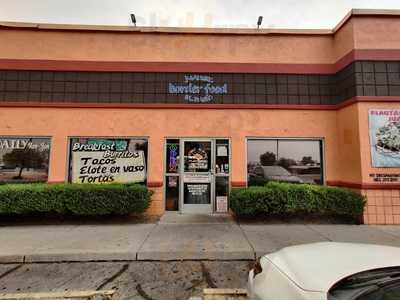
[{"x": 202, "y": 208}]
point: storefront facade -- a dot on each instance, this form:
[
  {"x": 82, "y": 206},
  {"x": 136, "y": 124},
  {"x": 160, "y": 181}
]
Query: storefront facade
[{"x": 105, "y": 104}]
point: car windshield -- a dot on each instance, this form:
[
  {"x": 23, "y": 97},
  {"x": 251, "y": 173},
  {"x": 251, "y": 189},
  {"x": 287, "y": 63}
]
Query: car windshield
[{"x": 380, "y": 284}]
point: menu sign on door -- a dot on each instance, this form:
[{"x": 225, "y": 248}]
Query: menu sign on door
[
  {"x": 24, "y": 159},
  {"x": 197, "y": 193}
]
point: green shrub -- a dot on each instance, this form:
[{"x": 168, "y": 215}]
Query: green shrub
[
  {"x": 257, "y": 181},
  {"x": 287, "y": 199},
  {"x": 73, "y": 199}
]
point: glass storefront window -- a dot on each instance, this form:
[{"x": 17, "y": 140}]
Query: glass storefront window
[
  {"x": 197, "y": 156},
  {"x": 222, "y": 157},
  {"x": 172, "y": 175},
  {"x": 221, "y": 193},
  {"x": 301, "y": 159},
  {"x": 24, "y": 159},
  {"x": 296, "y": 161}
]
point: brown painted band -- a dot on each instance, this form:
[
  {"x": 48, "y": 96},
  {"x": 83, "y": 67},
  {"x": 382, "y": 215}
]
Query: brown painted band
[
  {"x": 154, "y": 184},
  {"x": 162, "y": 105},
  {"x": 129, "y": 66},
  {"x": 366, "y": 186},
  {"x": 198, "y": 67},
  {"x": 238, "y": 184},
  {"x": 348, "y": 102}
]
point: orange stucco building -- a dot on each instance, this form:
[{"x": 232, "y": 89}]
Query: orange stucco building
[{"x": 220, "y": 97}]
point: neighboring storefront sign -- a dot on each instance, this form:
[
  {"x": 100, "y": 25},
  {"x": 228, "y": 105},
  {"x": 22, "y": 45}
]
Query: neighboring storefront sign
[
  {"x": 198, "y": 88},
  {"x": 24, "y": 159},
  {"x": 107, "y": 161},
  {"x": 384, "y": 132}
]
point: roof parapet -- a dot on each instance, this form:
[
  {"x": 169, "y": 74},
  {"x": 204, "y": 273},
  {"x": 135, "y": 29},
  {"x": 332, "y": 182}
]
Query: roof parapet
[{"x": 200, "y": 30}]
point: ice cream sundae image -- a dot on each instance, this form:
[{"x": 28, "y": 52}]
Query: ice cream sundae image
[{"x": 388, "y": 139}]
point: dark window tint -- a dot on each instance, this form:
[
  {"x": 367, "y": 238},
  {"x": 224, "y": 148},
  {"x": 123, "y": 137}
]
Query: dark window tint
[{"x": 222, "y": 157}]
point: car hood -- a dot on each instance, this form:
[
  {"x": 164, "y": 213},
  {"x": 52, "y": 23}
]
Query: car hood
[{"x": 318, "y": 266}]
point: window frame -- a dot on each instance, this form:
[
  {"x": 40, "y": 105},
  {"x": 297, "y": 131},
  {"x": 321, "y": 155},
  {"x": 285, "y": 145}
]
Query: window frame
[{"x": 318, "y": 139}]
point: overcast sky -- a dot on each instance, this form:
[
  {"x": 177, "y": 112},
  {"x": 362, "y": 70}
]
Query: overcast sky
[{"x": 190, "y": 13}]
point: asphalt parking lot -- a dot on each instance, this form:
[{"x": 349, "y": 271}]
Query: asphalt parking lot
[{"x": 134, "y": 280}]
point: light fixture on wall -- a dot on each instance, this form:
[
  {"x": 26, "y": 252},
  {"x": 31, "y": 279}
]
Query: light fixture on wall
[
  {"x": 133, "y": 18},
  {"x": 260, "y": 18}
]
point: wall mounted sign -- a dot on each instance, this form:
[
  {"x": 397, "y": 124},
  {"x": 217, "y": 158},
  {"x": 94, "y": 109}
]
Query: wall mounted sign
[
  {"x": 198, "y": 88},
  {"x": 24, "y": 159},
  {"x": 97, "y": 161},
  {"x": 384, "y": 132}
]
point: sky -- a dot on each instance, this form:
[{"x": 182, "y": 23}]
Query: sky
[{"x": 189, "y": 13}]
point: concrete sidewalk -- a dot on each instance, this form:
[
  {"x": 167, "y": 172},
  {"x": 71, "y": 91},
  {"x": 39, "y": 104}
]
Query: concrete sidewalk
[{"x": 174, "y": 237}]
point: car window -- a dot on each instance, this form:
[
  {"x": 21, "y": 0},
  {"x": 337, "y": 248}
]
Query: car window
[
  {"x": 378, "y": 284},
  {"x": 384, "y": 293}
]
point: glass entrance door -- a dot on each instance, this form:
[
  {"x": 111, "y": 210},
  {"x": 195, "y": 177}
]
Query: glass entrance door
[{"x": 197, "y": 186}]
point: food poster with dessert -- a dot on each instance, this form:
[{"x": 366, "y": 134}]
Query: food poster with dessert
[{"x": 384, "y": 131}]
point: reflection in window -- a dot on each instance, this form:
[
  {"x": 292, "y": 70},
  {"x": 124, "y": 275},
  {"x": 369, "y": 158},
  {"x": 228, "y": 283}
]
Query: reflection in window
[
  {"x": 296, "y": 161},
  {"x": 24, "y": 159}
]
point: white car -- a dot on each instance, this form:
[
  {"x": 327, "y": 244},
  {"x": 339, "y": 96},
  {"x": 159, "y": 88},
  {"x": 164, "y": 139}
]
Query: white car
[{"x": 327, "y": 270}]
